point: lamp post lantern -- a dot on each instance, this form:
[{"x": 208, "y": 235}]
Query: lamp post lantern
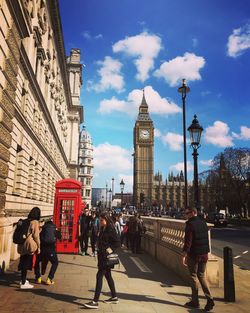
[
  {"x": 195, "y": 130},
  {"x": 122, "y": 184},
  {"x": 184, "y": 89}
]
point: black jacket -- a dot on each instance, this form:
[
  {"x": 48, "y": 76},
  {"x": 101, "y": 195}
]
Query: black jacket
[
  {"x": 84, "y": 224},
  {"x": 50, "y": 248},
  {"x": 196, "y": 236},
  {"x": 108, "y": 238}
]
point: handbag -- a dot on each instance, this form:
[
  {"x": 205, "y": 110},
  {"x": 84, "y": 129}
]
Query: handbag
[
  {"x": 112, "y": 259},
  {"x": 125, "y": 229},
  {"x": 30, "y": 246}
]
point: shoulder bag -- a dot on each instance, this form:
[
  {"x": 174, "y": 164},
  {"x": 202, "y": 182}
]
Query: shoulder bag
[{"x": 112, "y": 259}]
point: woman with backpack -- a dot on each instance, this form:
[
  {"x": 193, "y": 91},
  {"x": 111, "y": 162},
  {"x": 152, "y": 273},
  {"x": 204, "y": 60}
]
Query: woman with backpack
[
  {"x": 30, "y": 247},
  {"x": 108, "y": 241}
]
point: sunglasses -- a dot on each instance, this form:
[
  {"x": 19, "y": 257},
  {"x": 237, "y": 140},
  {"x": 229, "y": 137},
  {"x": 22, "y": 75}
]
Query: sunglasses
[{"x": 188, "y": 212}]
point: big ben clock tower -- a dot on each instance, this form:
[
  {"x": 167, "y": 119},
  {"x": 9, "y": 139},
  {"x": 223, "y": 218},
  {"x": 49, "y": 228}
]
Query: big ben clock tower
[{"x": 143, "y": 156}]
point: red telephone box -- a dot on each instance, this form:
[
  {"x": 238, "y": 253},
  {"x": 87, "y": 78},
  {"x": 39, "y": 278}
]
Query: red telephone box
[{"x": 67, "y": 208}]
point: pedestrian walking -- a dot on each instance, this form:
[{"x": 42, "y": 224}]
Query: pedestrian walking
[
  {"x": 122, "y": 224},
  {"x": 108, "y": 241},
  {"x": 134, "y": 230},
  {"x": 117, "y": 225},
  {"x": 84, "y": 231},
  {"x": 48, "y": 237},
  {"x": 195, "y": 257},
  {"x": 94, "y": 231},
  {"x": 30, "y": 248}
]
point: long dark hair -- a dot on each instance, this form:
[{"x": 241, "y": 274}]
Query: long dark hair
[
  {"x": 34, "y": 214},
  {"x": 107, "y": 218}
]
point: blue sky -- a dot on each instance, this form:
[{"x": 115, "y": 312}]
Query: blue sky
[{"x": 129, "y": 45}]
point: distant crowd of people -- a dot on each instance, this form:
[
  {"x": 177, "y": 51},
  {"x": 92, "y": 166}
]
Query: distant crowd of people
[
  {"x": 106, "y": 232},
  {"x": 129, "y": 229}
]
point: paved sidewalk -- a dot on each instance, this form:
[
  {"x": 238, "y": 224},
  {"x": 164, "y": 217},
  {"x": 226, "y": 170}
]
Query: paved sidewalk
[{"x": 143, "y": 285}]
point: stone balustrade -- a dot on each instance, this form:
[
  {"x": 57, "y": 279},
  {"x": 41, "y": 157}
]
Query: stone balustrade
[{"x": 164, "y": 239}]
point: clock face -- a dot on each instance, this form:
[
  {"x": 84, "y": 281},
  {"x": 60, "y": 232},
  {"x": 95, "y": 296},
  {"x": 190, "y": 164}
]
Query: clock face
[{"x": 144, "y": 134}]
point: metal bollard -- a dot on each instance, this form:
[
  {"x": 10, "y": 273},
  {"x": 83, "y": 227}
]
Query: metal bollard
[{"x": 229, "y": 287}]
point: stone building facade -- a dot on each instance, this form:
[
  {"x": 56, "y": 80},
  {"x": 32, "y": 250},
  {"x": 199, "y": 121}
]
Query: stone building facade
[
  {"x": 86, "y": 165},
  {"x": 169, "y": 194},
  {"x": 40, "y": 112}
]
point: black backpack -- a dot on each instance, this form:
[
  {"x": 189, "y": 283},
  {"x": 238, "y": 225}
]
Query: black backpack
[
  {"x": 48, "y": 234},
  {"x": 21, "y": 231}
]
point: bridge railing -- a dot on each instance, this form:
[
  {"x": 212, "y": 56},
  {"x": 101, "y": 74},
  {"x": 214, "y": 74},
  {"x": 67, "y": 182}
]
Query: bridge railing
[{"x": 164, "y": 239}]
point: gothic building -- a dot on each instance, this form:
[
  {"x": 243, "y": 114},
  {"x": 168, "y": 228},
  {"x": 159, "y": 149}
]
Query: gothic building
[
  {"x": 40, "y": 112},
  {"x": 169, "y": 193},
  {"x": 143, "y": 156},
  {"x": 86, "y": 165}
]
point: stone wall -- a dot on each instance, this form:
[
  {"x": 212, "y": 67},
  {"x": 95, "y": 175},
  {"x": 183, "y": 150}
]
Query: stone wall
[{"x": 164, "y": 240}]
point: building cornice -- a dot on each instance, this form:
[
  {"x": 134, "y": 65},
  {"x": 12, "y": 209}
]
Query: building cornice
[
  {"x": 37, "y": 91},
  {"x": 53, "y": 9}
]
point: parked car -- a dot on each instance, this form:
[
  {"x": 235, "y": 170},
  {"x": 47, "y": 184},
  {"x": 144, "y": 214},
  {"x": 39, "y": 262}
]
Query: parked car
[{"x": 218, "y": 219}]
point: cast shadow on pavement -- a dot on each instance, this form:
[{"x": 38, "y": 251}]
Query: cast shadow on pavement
[
  {"x": 148, "y": 298},
  {"x": 10, "y": 279},
  {"x": 200, "y": 296},
  {"x": 158, "y": 272},
  {"x": 57, "y": 296}
]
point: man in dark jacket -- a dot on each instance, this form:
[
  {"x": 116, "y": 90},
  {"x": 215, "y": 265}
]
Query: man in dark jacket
[
  {"x": 134, "y": 232},
  {"x": 84, "y": 231},
  {"x": 195, "y": 256}
]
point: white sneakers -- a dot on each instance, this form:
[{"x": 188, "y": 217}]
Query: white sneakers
[{"x": 27, "y": 285}]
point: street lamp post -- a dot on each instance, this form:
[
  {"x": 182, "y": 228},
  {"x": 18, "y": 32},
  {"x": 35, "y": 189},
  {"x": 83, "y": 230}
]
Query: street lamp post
[
  {"x": 195, "y": 130},
  {"x": 110, "y": 197},
  {"x": 113, "y": 188},
  {"x": 122, "y": 184},
  {"x": 106, "y": 204},
  {"x": 184, "y": 89}
]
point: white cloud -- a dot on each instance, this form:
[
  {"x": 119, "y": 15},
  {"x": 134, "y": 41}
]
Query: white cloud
[
  {"x": 175, "y": 141},
  {"x": 110, "y": 76},
  {"x": 238, "y": 41},
  {"x": 110, "y": 157},
  {"x": 194, "y": 42},
  {"x": 157, "y": 133},
  {"x": 108, "y": 106},
  {"x": 218, "y": 135},
  {"x": 99, "y": 36},
  {"x": 244, "y": 133},
  {"x": 156, "y": 104},
  {"x": 180, "y": 167},
  {"x": 144, "y": 48},
  {"x": 175, "y": 70},
  {"x": 206, "y": 162},
  {"x": 87, "y": 35},
  {"x": 205, "y": 93}
]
